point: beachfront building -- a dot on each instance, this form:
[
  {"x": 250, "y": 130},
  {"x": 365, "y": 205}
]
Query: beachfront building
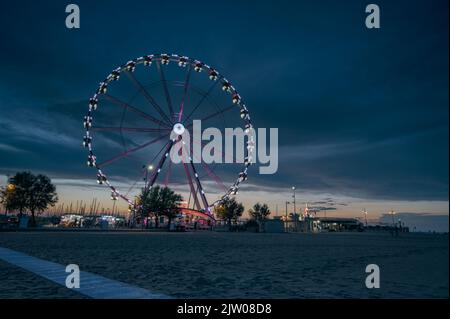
[
  {"x": 333, "y": 224},
  {"x": 307, "y": 223}
]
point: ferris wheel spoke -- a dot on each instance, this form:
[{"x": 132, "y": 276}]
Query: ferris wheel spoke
[
  {"x": 137, "y": 181},
  {"x": 211, "y": 173},
  {"x": 201, "y": 100},
  {"x": 135, "y": 110},
  {"x": 147, "y": 95},
  {"x": 186, "y": 85},
  {"x": 166, "y": 89},
  {"x": 214, "y": 176},
  {"x": 214, "y": 114},
  {"x": 218, "y": 113},
  {"x": 129, "y": 129},
  {"x": 202, "y": 144},
  {"x": 128, "y": 152},
  {"x": 145, "y": 170}
]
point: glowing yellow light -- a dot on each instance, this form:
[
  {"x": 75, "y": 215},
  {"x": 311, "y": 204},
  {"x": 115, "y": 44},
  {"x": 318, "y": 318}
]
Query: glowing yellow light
[{"x": 11, "y": 187}]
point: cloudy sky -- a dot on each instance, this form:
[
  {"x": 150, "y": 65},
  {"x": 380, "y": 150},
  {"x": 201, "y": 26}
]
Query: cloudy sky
[{"x": 362, "y": 114}]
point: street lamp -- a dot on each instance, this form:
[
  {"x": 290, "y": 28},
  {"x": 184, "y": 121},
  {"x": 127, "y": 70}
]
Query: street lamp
[
  {"x": 365, "y": 215},
  {"x": 287, "y": 203},
  {"x": 293, "y": 189},
  {"x": 392, "y": 213},
  {"x": 147, "y": 169},
  {"x": 286, "y": 217}
]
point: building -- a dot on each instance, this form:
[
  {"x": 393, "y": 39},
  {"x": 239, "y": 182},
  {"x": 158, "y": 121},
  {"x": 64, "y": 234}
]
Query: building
[{"x": 310, "y": 224}]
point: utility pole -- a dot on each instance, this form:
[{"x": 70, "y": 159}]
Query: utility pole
[
  {"x": 293, "y": 196},
  {"x": 365, "y": 215},
  {"x": 286, "y": 217},
  {"x": 295, "y": 209},
  {"x": 392, "y": 213}
]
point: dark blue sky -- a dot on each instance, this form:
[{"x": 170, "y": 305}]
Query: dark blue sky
[{"x": 361, "y": 113}]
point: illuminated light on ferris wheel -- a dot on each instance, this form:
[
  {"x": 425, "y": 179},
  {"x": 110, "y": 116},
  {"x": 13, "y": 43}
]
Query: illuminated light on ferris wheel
[{"x": 160, "y": 119}]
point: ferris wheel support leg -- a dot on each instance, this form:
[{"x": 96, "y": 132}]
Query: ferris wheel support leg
[
  {"x": 199, "y": 187},
  {"x": 166, "y": 89},
  {"x": 160, "y": 164},
  {"x": 191, "y": 186}
]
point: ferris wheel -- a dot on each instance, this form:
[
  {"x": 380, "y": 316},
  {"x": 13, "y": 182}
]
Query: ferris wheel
[{"x": 139, "y": 113}]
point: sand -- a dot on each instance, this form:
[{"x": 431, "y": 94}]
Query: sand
[
  {"x": 238, "y": 265},
  {"x": 19, "y": 284}
]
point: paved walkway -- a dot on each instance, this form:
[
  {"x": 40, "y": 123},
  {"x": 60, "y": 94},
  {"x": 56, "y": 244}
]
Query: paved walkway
[{"x": 91, "y": 285}]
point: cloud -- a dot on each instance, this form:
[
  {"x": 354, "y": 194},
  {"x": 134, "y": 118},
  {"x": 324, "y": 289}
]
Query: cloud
[
  {"x": 369, "y": 120},
  {"x": 12, "y": 149}
]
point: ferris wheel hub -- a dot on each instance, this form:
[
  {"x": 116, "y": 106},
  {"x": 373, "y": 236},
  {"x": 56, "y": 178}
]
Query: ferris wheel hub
[{"x": 178, "y": 129}]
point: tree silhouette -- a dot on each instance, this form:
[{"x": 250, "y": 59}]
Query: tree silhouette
[
  {"x": 26, "y": 191},
  {"x": 159, "y": 201},
  {"x": 42, "y": 194},
  {"x": 259, "y": 212},
  {"x": 229, "y": 210}
]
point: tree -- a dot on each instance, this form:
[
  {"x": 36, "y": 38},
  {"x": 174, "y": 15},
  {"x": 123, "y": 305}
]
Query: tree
[
  {"x": 159, "y": 201},
  {"x": 259, "y": 212},
  {"x": 42, "y": 194},
  {"x": 18, "y": 192},
  {"x": 7, "y": 197},
  {"x": 170, "y": 204},
  {"x": 148, "y": 201},
  {"x": 26, "y": 191},
  {"x": 229, "y": 210}
]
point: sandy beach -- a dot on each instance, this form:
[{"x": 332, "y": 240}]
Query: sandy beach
[{"x": 237, "y": 265}]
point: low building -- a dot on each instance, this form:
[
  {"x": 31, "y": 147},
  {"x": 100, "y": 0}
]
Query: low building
[
  {"x": 273, "y": 226},
  {"x": 310, "y": 224},
  {"x": 339, "y": 224}
]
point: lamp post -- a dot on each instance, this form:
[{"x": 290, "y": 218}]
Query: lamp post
[
  {"x": 295, "y": 209},
  {"x": 365, "y": 215},
  {"x": 293, "y": 196},
  {"x": 392, "y": 213},
  {"x": 148, "y": 169},
  {"x": 286, "y": 217}
]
